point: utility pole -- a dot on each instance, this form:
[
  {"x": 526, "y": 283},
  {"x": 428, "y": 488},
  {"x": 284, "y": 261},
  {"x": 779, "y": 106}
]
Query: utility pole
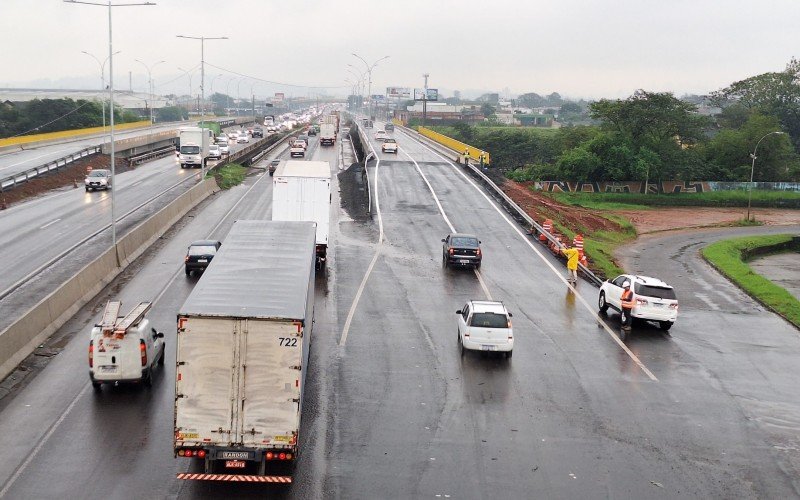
[
  {"x": 202, "y": 89},
  {"x": 425, "y": 99}
]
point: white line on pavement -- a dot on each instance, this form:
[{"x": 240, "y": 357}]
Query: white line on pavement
[
  {"x": 446, "y": 219},
  {"x": 558, "y": 275},
  {"x": 49, "y": 223}
]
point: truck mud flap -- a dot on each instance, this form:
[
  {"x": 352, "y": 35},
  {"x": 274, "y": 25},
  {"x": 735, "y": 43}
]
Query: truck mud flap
[{"x": 235, "y": 478}]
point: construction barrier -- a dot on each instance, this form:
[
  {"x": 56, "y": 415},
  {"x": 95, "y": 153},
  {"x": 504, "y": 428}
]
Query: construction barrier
[
  {"x": 548, "y": 228},
  {"x": 65, "y": 134},
  {"x": 20, "y": 339},
  {"x": 577, "y": 242},
  {"x": 462, "y": 148}
]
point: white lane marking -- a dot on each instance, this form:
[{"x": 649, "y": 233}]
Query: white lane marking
[
  {"x": 58, "y": 422},
  {"x": 447, "y": 219},
  {"x": 41, "y": 443},
  {"x": 49, "y": 223},
  {"x": 558, "y": 275},
  {"x": 378, "y": 248},
  {"x": 52, "y": 153}
]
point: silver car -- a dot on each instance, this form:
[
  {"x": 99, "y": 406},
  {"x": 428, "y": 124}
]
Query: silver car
[{"x": 98, "y": 179}]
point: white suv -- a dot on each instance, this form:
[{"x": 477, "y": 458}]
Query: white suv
[
  {"x": 653, "y": 300},
  {"x": 485, "y": 326}
]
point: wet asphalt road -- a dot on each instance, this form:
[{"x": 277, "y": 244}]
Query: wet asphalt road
[
  {"x": 393, "y": 411},
  {"x": 34, "y": 232}
]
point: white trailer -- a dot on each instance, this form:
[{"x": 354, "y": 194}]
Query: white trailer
[
  {"x": 301, "y": 191},
  {"x": 327, "y": 134},
  {"x": 194, "y": 142},
  {"x": 242, "y": 355}
]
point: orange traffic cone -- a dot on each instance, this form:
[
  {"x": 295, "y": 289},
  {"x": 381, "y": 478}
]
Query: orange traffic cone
[{"x": 548, "y": 227}]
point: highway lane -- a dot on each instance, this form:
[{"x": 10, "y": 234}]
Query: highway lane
[
  {"x": 110, "y": 445},
  {"x": 34, "y": 232},
  {"x": 15, "y": 161},
  {"x": 569, "y": 403},
  {"x": 394, "y": 411}
]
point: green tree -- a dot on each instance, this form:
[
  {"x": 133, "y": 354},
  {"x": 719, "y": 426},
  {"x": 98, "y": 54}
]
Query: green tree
[
  {"x": 775, "y": 93},
  {"x": 487, "y": 110},
  {"x": 171, "y": 114},
  {"x": 580, "y": 164}
]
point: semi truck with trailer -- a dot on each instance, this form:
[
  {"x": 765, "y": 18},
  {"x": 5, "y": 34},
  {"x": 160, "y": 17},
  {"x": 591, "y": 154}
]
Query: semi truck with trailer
[
  {"x": 301, "y": 191},
  {"x": 243, "y": 339}
]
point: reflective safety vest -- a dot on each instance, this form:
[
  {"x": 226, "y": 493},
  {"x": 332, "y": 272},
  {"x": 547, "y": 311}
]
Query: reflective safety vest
[{"x": 627, "y": 299}]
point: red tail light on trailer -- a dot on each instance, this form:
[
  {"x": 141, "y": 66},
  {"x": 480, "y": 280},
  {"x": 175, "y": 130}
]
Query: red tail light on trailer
[{"x": 143, "y": 352}]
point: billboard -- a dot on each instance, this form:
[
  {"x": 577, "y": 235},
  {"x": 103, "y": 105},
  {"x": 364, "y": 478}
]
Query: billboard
[
  {"x": 433, "y": 95},
  {"x": 278, "y": 97},
  {"x": 379, "y": 98},
  {"x": 398, "y": 92}
]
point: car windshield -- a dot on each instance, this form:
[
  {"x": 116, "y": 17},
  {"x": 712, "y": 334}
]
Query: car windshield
[
  {"x": 190, "y": 150},
  {"x": 202, "y": 250},
  {"x": 389, "y": 141},
  {"x": 489, "y": 320},
  {"x": 214, "y": 147},
  {"x": 461, "y": 241},
  {"x": 655, "y": 291},
  {"x": 98, "y": 173}
]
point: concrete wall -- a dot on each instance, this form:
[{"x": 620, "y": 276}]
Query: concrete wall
[{"x": 42, "y": 320}]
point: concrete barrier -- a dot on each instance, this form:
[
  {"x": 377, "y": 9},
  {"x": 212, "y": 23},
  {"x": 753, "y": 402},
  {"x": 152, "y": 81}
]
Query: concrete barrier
[
  {"x": 42, "y": 320},
  {"x": 457, "y": 146}
]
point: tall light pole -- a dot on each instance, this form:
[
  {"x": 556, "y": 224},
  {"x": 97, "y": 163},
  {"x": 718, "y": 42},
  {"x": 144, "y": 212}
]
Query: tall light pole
[
  {"x": 188, "y": 102},
  {"x": 359, "y": 76},
  {"x": 370, "y": 67},
  {"x": 109, "y": 5},
  {"x": 238, "y": 96},
  {"x": 753, "y": 168},
  {"x": 102, "y": 80},
  {"x": 152, "y": 90},
  {"x": 212, "y": 88},
  {"x": 425, "y": 99},
  {"x": 253, "y": 97},
  {"x": 228, "y": 95},
  {"x": 202, "y": 68}
]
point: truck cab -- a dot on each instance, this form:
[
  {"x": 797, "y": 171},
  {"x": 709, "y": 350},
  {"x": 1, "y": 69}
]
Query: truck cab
[
  {"x": 124, "y": 349},
  {"x": 298, "y": 149}
]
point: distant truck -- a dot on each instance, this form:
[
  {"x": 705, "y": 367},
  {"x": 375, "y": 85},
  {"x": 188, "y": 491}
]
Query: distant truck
[
  {"x": 243, "y": 341},
  {"x": 194, "y": 142},
  {"x": 333, "y": 120},
  {"x": 298, "y": 148},
  {"x": 327, "y": 134},
  {"x": 301, "y": 191}
]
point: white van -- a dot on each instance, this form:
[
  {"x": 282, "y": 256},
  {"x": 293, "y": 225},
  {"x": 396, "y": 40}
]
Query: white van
[{"x": 124, "y": 349}]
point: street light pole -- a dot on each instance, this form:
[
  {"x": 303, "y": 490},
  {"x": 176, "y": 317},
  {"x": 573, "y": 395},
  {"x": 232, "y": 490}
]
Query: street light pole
[
  {"x": 227, "y": 94},
  {"x": 109, "y": 5},
  {"x": 212, "y": 89},
  {"x": 370, "y": 67},
  {"x": 188, "y": 101},
  {"x": 102, "y": 81},
  {"x": 238, "y": 96},
  {"x": 425, "y": 99},
  {"x": 152, "y": 91},
  {"x": 753, "y": 168}
]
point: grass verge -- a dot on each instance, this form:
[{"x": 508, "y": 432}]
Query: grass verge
[
  {"x": 230, "y": 175},
  {"x": 730, "y": 258},
  {"x": 636, "y": 201},
  {"x": 600, "y": 245}
]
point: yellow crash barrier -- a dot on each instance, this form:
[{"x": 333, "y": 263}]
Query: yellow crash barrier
[
  {"x": 460, "y": 147},
  {"x": 28, "y": 139}
]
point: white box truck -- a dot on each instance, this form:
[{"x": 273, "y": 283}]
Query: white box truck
[
  {"x": 301, "y": 191},
  {"x": 327, "y": 134},
  {"x": 243, "y": 341},
  {"x": 194, "y": 142}
]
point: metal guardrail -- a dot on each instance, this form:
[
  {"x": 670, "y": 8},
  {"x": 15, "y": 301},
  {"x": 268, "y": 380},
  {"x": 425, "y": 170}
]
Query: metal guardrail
[
  {"x": 12, "y": 181},
  {"x": 158, "y": 153},
  {"x": 508, "y": 204}
]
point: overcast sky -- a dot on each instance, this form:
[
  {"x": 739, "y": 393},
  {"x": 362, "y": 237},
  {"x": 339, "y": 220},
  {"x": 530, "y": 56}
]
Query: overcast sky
[{"x": 590, "y": 49}]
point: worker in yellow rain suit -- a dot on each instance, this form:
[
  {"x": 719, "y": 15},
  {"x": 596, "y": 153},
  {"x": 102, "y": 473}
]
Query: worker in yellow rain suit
[{"x": 572, "y": 255}]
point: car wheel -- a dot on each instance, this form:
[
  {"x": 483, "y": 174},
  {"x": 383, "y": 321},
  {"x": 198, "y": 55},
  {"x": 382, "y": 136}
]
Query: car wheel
[
  {"x": 602, "y": 304},
  {"x": 148, "y": 379},
  {"x": 87, "y": 189},
  {"x": 478, "y": 265},
  {"x": 665, "y": 325},
  {"x": 97, "y": 386},
  {"x": 461, "y": 347},
  {"x": 163, "y": 351},
  {"x": 508, "y": 354},
  {"x": 188, "y": 272}
]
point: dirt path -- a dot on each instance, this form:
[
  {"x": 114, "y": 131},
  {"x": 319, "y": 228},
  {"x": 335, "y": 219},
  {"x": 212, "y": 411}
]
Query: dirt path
[{"x": 668, "y": 219}]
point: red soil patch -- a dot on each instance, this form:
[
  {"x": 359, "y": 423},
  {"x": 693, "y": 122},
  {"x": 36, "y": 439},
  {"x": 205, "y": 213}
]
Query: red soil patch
[
  {"x": 71, "y": 176},
  {"x": 540, "y": 207}
]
